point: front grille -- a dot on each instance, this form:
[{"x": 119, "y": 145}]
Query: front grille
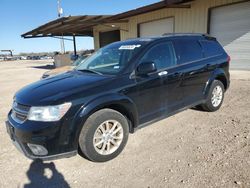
[{"x": 19, "y": 112}]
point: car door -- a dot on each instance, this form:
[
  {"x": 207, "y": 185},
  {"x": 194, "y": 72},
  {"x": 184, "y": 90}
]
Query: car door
[
  {"x": 158, "y": 92},
  {"x": 194, "y": 68}
]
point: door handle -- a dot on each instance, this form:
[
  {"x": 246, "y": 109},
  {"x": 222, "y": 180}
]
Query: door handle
[
  {"x": 192, "y": 73},
  {"x": 163, "y": 73}
]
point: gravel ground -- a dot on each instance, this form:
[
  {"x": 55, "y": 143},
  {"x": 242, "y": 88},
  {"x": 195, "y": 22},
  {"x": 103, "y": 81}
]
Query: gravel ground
[{"x": 190, "y": 149}]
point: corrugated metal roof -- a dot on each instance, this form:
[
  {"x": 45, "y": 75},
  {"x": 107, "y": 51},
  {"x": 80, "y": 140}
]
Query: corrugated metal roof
[
  {"x": 68, "y": 26},
  {"x": 83, "y": 25}
]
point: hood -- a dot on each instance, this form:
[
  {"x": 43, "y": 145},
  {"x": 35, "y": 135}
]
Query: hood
[
  {"x": 57, "y": 71},
  {"x": 51, "y": 90}
]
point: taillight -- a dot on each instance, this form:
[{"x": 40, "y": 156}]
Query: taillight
[{"x": 228, "y": 59}]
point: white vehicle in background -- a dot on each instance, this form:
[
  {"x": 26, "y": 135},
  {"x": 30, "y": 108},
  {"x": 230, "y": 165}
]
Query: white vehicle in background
[
  {"x": 8, "y": 58},
  {"x": 43, "y": 57},
  {"x": 23, "y": 57}
]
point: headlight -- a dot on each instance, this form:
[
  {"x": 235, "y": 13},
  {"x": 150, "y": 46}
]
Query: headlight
[{"x": 48, "y": 113}]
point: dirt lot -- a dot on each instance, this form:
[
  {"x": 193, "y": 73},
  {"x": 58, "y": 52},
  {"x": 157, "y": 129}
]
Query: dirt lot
[{"x": 191, "y": 149}]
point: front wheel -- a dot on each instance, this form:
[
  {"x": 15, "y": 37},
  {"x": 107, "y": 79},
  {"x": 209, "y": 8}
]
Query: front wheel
[
  {"x": 215, "y": 97},
  {"x": 104, "y": 135}
]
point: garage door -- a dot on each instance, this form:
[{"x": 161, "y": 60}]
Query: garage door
[
  {"x": 156, "y": 28},
  {"x": 231, "y": 25}
]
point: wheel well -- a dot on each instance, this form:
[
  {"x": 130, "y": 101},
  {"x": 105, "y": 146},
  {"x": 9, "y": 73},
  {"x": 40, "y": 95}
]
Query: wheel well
[
  {"x": 124, "y": 112},
  {"x": 223, "y": 80}
]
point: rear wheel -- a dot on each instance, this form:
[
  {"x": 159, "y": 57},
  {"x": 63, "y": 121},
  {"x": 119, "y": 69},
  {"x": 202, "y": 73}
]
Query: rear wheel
[
  {"x": 215, "y": 97},
  {"x": 104, "y": 135}
]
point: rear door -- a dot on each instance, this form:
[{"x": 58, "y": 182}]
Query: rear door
[{"x": 194, "y": 69}]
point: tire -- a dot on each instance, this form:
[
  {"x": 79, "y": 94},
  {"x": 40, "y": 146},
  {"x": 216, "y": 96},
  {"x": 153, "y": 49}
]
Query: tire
[
  {"x": 105, "y": 146},
  {"x": 211, "y": 105}
]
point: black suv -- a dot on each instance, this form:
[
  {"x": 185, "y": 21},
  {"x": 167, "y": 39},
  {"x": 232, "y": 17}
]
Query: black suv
[{"x": 122, "y": 87}]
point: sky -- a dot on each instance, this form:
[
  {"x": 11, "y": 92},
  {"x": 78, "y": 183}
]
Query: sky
[{"x": 20, "y": 16}]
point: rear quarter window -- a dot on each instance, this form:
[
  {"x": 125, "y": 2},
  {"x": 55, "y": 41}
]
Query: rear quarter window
[
  {"x": 211, "y": 48},
  {"x": 188, "y": 50}
]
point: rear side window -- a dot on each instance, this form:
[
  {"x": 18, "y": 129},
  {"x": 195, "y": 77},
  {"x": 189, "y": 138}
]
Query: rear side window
[
  {"x": 162, "y": 55},
  {"x": 211, "y": 48},
  {"x": 188, "y": 50}
]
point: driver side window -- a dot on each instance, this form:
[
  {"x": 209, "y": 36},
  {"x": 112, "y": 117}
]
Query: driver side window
[{"x": 162, "y": 54}]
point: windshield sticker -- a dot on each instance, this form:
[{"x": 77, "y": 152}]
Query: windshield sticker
[
  {"x": 129, "y": 47},
  {"x": 116, "y": 67}
]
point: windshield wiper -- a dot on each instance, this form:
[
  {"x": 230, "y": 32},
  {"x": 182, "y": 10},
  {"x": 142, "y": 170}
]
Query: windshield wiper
[{"x": 91, "y": 71}]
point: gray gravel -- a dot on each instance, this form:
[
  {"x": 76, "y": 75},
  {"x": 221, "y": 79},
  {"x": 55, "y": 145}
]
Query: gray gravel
[{"x": 191, "y": 149}]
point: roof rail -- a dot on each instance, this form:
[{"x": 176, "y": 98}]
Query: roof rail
[
  {"x": 207, "y": 36},
  {"x": 181, "y": 34}
]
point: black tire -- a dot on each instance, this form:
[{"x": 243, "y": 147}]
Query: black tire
[
  {"x": 208, "y": 106},
  {"x": 86, "y": 143}
]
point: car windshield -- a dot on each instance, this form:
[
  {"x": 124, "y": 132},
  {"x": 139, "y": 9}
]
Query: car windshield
[
  {"x": 79, "y": 60},
  {"x": 112, "y": 58}
]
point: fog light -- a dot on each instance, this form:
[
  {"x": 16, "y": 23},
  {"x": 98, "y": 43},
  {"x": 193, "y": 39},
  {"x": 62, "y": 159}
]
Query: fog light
[{"x": 38, "y": 149}]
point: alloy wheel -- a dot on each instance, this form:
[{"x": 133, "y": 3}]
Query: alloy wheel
[{"x": 108, "y": 137}]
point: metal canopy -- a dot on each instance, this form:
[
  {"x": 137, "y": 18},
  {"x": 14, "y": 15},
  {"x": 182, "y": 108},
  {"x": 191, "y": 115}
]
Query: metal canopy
[
  {"x": 70, "y": 26},
  {"x": 83, "y": 25}
]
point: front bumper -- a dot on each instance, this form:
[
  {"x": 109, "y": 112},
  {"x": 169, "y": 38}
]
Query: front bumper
[{"x": 49, "y": 137}]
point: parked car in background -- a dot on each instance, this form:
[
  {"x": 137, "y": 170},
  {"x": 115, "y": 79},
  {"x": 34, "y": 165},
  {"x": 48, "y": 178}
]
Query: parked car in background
[
  {"x": 63, "y": 69},
  {"x": 36, "y": 57},
  {"x": 23, "y": 57},
  {"x": 29, "y": 57},
  {"x": 119, "y": 89},
  {"x": 9, "y": 58},
  {"x": 44, "y": 57}
]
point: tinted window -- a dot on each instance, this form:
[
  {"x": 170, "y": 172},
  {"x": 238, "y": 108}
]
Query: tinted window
[
  {"x": 188, "y": 50},
  {"x": 211, "y": 48},
  {"x": 162, "y": 55}
]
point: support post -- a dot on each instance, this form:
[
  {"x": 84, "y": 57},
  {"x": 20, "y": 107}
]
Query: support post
[
  {"x": 74, "y": 42},
  {"x": 62, "y": 45}
]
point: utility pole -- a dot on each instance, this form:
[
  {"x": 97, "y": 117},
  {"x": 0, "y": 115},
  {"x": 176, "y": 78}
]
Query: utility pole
[{"x": 60, "y": 12}]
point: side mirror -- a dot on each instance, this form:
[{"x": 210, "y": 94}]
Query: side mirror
[{"x": 145, "y": 68}]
